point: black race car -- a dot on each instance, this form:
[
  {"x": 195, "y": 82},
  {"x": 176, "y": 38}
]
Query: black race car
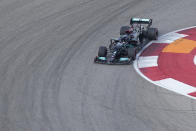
[{"x": 132, "y": 39}]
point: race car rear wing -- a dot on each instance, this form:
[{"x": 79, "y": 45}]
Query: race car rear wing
[{"x": 141, "y": 21}]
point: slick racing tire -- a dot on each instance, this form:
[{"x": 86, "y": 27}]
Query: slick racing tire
[
  {"x": 102, "y": 51},
  {"x": 145, "y": 34},
  {"x": 124, "y": 29},
  {"x": 131, "y": 53},
  {"x": 141, "y": 38},
  {"x": 152, "y": 33}
]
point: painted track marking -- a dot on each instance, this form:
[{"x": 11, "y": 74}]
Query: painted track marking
[
  {"x": 195, "y": 59},
  {"x": 171, "y": 50}
]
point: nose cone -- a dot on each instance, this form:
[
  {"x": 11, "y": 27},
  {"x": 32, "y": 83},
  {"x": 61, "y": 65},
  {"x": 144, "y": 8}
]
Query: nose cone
[{"x": 111, "y": 59}]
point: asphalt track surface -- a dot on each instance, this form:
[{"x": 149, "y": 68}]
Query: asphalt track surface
[{"x": 48, "y": 81}]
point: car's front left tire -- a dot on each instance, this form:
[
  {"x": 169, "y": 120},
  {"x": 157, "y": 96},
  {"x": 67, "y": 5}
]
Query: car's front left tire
[{"x": 102, "y": 51}]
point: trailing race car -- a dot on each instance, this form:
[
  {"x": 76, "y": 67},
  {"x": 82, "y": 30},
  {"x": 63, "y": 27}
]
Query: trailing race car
[{"x": 124, "y": 49}]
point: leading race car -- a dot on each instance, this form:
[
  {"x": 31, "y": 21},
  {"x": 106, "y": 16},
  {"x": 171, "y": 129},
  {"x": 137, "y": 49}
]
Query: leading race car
[{"x": 123, "y": 50}]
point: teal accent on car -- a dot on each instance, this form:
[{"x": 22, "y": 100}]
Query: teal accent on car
[
  {"x": 124, "y": 59},
  {"x": 135, "y": 19},
  {"x": 102, "y": 58}
]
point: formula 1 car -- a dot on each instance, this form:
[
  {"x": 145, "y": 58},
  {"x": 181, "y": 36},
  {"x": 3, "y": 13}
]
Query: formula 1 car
[{"x": 124, "y": 49}]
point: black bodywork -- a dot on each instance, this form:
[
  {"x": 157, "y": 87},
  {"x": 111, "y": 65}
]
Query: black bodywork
[
  {"x": 132, "y": 39},
  {"x": 120, "y": 54}
]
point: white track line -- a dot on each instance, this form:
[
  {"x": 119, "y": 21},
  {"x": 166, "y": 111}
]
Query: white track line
[
  {"x": 147, "y": 61},
  {"x": 195, "y": 60},
  {"x": 169, "y": 38},
  {"x": 176, "y": 86}
]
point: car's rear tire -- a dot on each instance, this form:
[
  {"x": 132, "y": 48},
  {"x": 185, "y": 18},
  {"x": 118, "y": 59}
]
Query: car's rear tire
[
  {"x": 152, "y": 33},
  {"x": 132, "y": 53},
  {"x": 141, "y": 38},
  {"x": 102, "y": 51},
  {"x": 124, "y": 29},
  {"x": 145, "y": 33}
]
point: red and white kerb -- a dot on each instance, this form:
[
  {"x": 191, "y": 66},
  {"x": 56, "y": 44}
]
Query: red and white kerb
[{"x": 170, "y": 62}]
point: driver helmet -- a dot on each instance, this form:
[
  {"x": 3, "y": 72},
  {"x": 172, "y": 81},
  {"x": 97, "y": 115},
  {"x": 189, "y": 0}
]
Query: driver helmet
[{"x": 129, "y": 31}]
